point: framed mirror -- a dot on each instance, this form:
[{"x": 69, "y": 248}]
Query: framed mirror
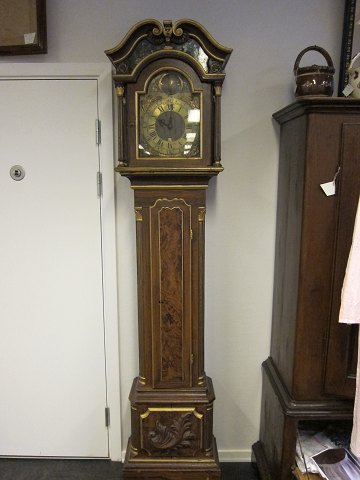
[
  {"x": 22, "y": 27},
  {"x": 350, "y": 40}
]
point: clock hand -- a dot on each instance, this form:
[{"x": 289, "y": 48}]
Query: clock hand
[
  {"x": 163, "y": 123},
  {"x": 166, "y": 124},
  {"x": 170, "y": 124}
]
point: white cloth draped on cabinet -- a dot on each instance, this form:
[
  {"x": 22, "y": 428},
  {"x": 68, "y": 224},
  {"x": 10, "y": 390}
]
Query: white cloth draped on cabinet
[{"x": 350, "y": 313}]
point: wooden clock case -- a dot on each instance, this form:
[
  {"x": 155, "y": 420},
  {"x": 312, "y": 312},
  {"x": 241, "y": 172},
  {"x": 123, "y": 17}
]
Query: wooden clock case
[{"x": 172, "y": 398}]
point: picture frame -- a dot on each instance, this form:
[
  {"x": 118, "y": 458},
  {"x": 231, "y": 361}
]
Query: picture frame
[{"x": 23, "y": 27}]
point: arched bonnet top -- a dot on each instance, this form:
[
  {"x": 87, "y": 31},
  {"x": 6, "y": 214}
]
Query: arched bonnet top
[{"x": 186, "y": 40}]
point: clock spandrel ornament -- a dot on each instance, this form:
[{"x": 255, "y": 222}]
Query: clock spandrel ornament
[{"x": 168, "y": 80}]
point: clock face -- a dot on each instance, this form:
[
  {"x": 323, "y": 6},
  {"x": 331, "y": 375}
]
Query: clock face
[{"x": 169, "y": 118}]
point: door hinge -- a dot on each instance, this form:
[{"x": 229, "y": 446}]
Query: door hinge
[
  {"x": 99, "y": 183},
  {"x": 107, "y": 417},
  {"x": 98, "y": 131},
  {"x": 191, "y": 234}
]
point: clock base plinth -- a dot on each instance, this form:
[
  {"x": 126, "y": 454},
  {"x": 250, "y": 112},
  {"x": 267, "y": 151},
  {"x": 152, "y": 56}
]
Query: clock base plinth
[
  {"x": 172, "y": 434},
  {"x": 203, "y": 468}
]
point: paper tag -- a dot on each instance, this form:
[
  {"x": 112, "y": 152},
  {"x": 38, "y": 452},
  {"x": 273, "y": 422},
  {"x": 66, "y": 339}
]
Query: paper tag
[
  {"x": 329, "y": 188},
  {"x": 348, "y": 90},
  {"x": 29, "y": 38}
]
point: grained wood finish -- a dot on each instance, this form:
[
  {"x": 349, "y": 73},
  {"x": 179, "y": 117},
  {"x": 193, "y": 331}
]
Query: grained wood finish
[
  {"x": 310, "y": 372},
  {"x": 172, "y": 398},
  {"x": 171, "y": 270}
]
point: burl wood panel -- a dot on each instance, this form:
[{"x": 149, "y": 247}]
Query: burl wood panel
[
  {"x": 170, "y": 221},
  {"x": 171, "y": 255}
]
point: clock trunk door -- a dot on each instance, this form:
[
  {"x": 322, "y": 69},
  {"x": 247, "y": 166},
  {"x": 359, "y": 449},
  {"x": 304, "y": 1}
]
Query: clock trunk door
[{"x": 170, "y": 225}]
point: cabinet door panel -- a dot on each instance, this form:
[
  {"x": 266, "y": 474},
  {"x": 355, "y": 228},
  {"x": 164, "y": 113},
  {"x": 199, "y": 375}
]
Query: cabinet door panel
[{"x": 342, "y": 343}]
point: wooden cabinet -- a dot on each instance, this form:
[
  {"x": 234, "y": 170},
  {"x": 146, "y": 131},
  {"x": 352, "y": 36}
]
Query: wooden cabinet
[{"x": 310, "y": 373}]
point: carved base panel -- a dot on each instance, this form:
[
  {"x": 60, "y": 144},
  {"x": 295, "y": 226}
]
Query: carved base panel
[
  {"x": 172, "y": 468},
  {"x": 172, "y": 433}
]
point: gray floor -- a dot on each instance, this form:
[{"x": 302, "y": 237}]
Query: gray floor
[{"x": 25, "y": 469}]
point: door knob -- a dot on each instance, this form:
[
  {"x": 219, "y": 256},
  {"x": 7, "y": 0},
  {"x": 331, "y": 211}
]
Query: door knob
[{"x": 17, "y": 172}]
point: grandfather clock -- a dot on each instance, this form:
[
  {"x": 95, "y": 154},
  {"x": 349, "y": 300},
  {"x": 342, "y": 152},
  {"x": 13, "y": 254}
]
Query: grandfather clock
[{"x": 168, "y": 80}]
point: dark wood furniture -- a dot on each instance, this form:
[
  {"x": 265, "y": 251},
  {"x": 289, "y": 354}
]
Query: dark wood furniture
[
  {"x": 310, "y": 373},
  {"x": 168, "y": 81}
]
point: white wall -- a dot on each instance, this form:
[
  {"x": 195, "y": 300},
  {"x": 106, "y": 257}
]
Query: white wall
[{"x": 266, "y": 36}]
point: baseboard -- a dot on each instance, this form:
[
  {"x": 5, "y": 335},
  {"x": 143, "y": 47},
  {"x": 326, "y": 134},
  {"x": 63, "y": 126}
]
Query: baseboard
[{"x": 236, "y": 456}]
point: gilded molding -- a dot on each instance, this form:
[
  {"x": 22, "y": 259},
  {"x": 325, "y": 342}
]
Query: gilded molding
[
  {"x": 172, "y": 409},
  {"x": 169, "y": 200},
  {"x": 151, "y": 171},
  {"x": 169, "y": 187}
]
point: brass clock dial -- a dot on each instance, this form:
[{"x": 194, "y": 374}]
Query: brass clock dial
[{"x": 169, "y": 118}]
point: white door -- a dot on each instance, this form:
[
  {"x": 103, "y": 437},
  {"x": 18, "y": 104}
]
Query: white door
[{"x": 52, "y": 360}]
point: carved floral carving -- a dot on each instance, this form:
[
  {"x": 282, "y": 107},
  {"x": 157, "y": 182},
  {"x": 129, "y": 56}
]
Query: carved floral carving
[{"x": 177, "y": 435}]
